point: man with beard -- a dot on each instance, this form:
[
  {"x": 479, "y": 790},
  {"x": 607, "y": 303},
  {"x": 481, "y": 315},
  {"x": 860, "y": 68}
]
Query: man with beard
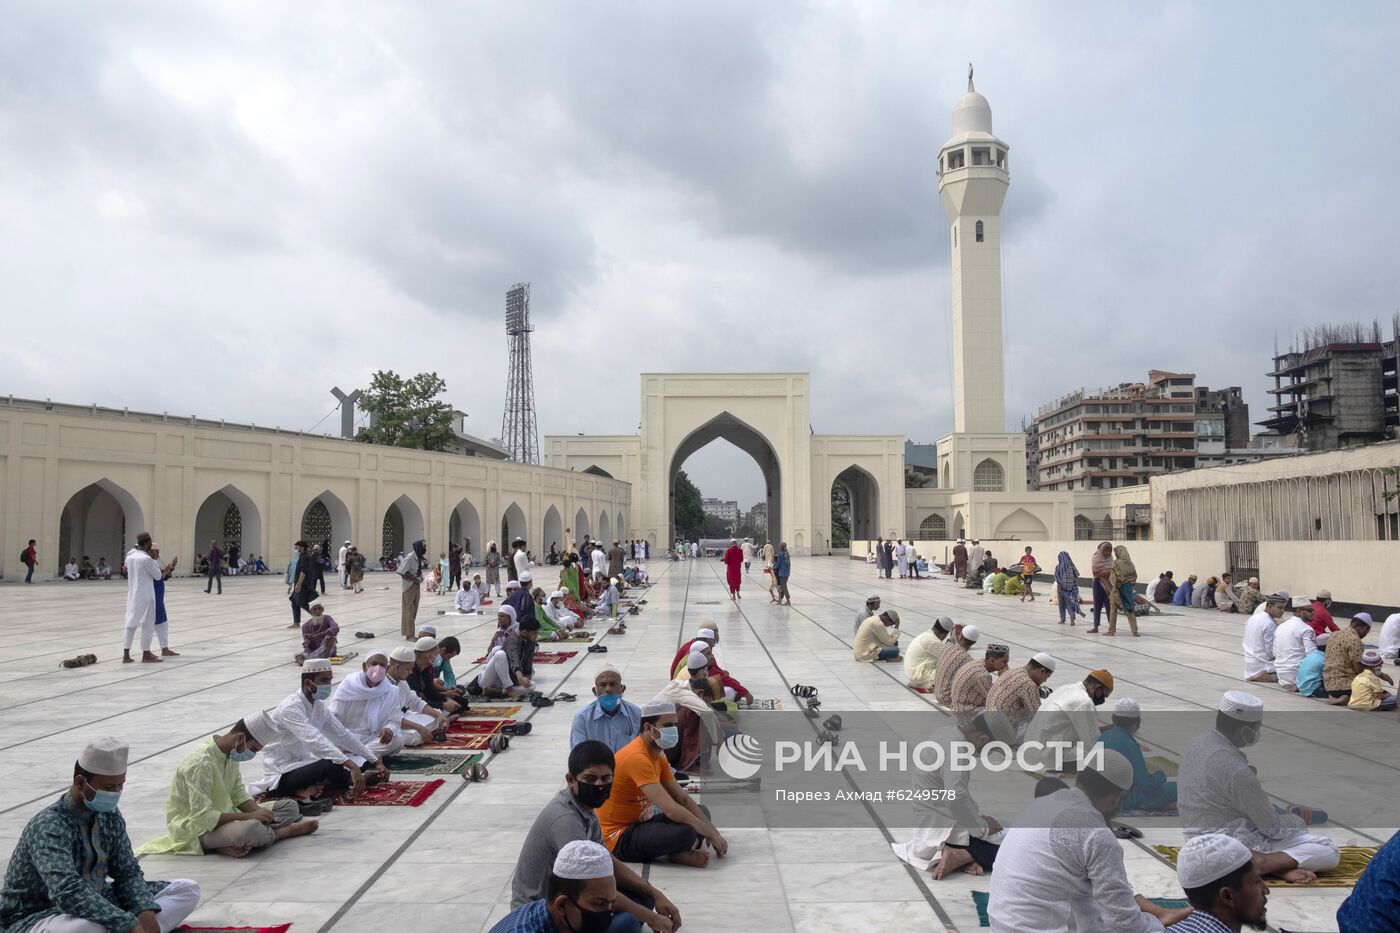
[
  {"x": 1067, "y": 715},
  {"x": 1222, "y": 882},
  {"x": 569, "y": 817}
]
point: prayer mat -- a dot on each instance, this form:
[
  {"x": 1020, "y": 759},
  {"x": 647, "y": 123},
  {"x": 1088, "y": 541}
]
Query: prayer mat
[
  {"x": 392, "y": 794},
  {"x": 758, "y": 704},
  {"x": 342, "y": 658},
  {"x": 1354, "y": 862},
  {"x": 420, "y": 763},
  {"x": 544, "y": 657},
  {"x": 281, "y": 928},
  {"x": 472, "y": 735},
  {"x": 492, "y": 712},
  {"x": 981, "y": 898},
  {"x": 1159, "y": 763}
]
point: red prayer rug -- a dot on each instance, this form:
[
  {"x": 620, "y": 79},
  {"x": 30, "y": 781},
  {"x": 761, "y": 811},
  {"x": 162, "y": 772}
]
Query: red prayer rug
[
  {"x": 283, "y": 928},
  {"x": 543, "y": 657},
  {"x": 922, "y": 689},
  {"x": 472, "y": 734},
  {"x": 392, "y": 794}
]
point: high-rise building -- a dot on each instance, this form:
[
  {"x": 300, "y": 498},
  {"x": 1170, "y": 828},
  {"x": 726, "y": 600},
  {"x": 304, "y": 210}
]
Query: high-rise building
[
  {"x": 726, "y": 510},
  {"x": 1336, "y": 388}
]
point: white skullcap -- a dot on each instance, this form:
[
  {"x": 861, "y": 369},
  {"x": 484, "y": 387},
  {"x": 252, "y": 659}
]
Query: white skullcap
[
  {"x": 316, "y": 666},
  {"x": 512, "y": 584},
  {"x": 1208, "y": 858},
  {"x": 873, "y": 598},
  {"x": 708, "y": 634},
  {"x": 613, "y": 580},
  {"x": 658, "y": 708},
  {"x": 401, "y": 654},
  {"x": 377, "y": 653},
  {"x": 428, "y": 627},
  {"x": 261, "y": 727},
  {"x": 1127, "y": 707},
  {"x": 104, "y": 755},
  {"x": 697, "y": 661},
  {"x": 945, "y": 623},
  {"x": 426, "y": 643},
  {"x": 1363, "y": 617},
  {"x": 582, "y": 860},
  {"x": 1044, "y": 660},
  {"x": 971, "y": 633},
  {"x": 526, "y": 577},
  {"x": 557, "y": 594},
  {"x": 1116, "y": 769},
  {"x": 1246, "y": 707},
  {"x": 1301, "y": 602},
  {"x": 507, "y": 611}
]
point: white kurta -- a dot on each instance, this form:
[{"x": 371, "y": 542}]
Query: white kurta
[
  {"x": 340, "y": 563},
  {"x": 142, "y": 572},
  {"x": 1293, "y": 641},
  {"x": 1067, "y": 715},
  {"x": 522, "y": 563},
  {"x": 560, "y": 616},
  {"x": 600, "y": 563},
  {"x": 496, "y": 671},
  {"x": 1060, "y": 870},
  {"x": 1259, "y": 631},
  {"x": 937, "y": 819},
  {"x": 901, "y": 554},
  {"x": 1390, "y": 637},
  {"x": 307, "y": 732},
  {"x": 468, "y": 599}
]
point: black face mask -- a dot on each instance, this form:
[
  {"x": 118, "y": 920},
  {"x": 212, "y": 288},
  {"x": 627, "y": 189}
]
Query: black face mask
[
  {"x": 592, "y": 921},
  {"x": 592, "y": 796}
]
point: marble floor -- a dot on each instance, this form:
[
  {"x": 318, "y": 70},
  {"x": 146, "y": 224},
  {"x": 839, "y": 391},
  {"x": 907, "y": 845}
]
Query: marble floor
[{"x": 452, "y": 858}]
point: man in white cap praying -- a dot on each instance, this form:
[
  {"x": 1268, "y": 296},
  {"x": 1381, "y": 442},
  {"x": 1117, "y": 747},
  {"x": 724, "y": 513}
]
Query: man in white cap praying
[
  {"x": 468, "y": 599},
  {"x": 307, "y": 749},
  {"x": 643, "y": 780},
  {"x": 1060, "y": 867},
  {"x": 951, "y": 660},
  {"x": 581, "y": 897},
  {"x": 73, "y": 870},
  {"x": 872, "y": 608},
  {"x": 209, "y": 810},
  {"x": 1015, "y": 697},
  {"x": 705, "y": 641},
  {"x": 1223, "y": 884},
  {"x": 1218, "y": 792},
  {"x": 707, "y": 636},
  {"x": 376, "y": 708},
  {"x": 1260, "y": 630},
  {"x": 609, "y": 718},
  {"x": 921, "y": 658},
  {"x": 610, "y": 599},
  {"x": 558, "y": 613},
  {"x": 878, "y": 638},
  {"x": 1151, "y": 790}
]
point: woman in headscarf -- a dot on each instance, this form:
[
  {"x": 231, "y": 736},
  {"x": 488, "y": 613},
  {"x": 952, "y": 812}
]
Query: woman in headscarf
[
  {"x": 1067, "y": 588},
  {"x": 1101, "y": 567},
  {"x": 1124, "y": 595}
]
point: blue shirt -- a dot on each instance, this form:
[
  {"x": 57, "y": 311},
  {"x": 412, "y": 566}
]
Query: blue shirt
[
  {"x": 614, "y": 731},
  {"x": 1182, "y": 596},
  {"x": 532, "y": 918},
  {"x": 1310, "y": 673},
  {"x": 782, "y": 564},
  {"x": 1374, "y": 905},
  {"x": 1199, "y": 922}
]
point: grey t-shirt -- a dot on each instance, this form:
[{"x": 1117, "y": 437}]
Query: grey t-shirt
[{"x": 561, "y": 821}]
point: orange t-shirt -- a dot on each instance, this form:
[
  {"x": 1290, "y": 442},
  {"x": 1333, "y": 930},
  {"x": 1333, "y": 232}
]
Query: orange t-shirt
[{"x": 634, "y": 768}]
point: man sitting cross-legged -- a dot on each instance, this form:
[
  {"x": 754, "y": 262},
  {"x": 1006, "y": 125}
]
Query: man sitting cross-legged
[
  {"x": 73, "y": 870},
  {"x": 921, "y": 660},
  {"x": 495, "y": 680},
  {"x": 209, "y": 811},
  {"x": 1151, "y": 790},
  {"x": 318, "y": 635},
  {"x": 974, "y": 681},
  {"x": 424, "y": 682},
  {"x": 307, "y": 752},
  {"x": 569, "y": 817},
  {"x": 643, "y": 779},
  {"x": 951, "y": 660},
  {"x": 609, "y": 719},
  {"x": 380, "y": 710}
]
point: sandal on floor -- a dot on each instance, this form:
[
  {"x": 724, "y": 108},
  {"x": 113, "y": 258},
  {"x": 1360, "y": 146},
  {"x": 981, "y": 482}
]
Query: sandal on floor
[
  {"x": 618, "y": 630},
  {"x": 804, "y": 692},
  {"x": 833, "y": 722},
  {"x": 566, "y": 697},
  {"x": 1124, "y": 831},
  {"x": 541, "y": 702},
  {"x": 597, "y": 649},
  {"x": 82, "y": 660},
  {"x": 476, "y": 773},
  {"x": 498, "y": 743},
  {"x": 823, "y": 736},
  {"x": 811, "y": 712},
  {"x": 364, "y": 634},
  {"x": 517, "y": 728}
]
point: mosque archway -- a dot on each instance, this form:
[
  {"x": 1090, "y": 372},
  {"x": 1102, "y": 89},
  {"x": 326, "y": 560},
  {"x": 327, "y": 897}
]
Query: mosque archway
[
  {"x": 1021, "y": 525},
  {"x": 959, "y": 525},
  {"x": 605, "y": 529},
  {"x": 581, "y": 527},
  {"x": 934, "y": 528},
  {"x": 726, "y": 427},
  {"x": 621, "y": 527},
  {"x": 513, "y": 526},
  {"x": 464, "y": 528},
  {"x": 403, "y": 524},
  {"x": 855, "y": 490},
  {"x": 100, "y": 520},
  {"x": 230, "y": 517},
  {"x": 326, "y": 518},
  {"x": 553, "y": 533}
]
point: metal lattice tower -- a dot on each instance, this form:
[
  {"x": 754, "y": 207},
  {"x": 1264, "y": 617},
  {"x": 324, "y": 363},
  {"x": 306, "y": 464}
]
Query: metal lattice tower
[{"x": 519, "y": 435}]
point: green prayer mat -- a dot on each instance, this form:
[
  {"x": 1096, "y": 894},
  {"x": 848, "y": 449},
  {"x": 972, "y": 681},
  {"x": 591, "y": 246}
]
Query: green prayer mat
[
  {"x": 1163, "y": 764},
  {"x": 1354, "y": 862},
  {"x": 433, "y": 763},
  {"x": 980, "y": 898}
]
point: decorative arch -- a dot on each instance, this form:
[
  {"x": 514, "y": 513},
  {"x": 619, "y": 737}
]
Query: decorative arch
[
  {"x": 231, "y": 517},
  {"x": 403, "y": 524},
  {"x": 553, "y": 532},
  {"x": 1083, "y": 528},
  {"x": 326, "y": 516},
  {"x": 863, "y": 491},
  {"x": 598, "y": 471},
  {"x": 1021, "y": 525},
  {"x": 934, "y": 528},
  {"x": 464, "y": 528},
  {"x": 959, "y": 525},
  {"x": 100, "y": 520},
  {"x": 621, "y": 527},
  {"x": 988, "y": 476},
  {"x": 581, "y": 526},
  {"x": 605, "y": 529},
  {"x": 748, "y": 439},
  {"x": 513, "y": 526}
]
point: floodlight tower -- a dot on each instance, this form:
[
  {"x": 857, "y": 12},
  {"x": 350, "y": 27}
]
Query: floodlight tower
[{"x": 519, "y": 435}]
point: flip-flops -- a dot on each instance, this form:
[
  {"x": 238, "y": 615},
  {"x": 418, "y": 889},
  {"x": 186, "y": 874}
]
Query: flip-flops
[
  {"x": 517, "y": 728},
  {"x": 1124, "y": 831},
  {"x": 476, "y": 773},
  {"x": 597, "y": 649},
  {"x": 540, "y": 701},
  {"x": 377, "y": 777},
  {"x": 364, "y": 634},
  {"x": 804, "y": 692},
  {"x": 498, "y": 743},
  {"x": 618, "y": 630},
  {"x": 566, "y": 697},
  {"x": 82, "y": 660},
  {"x": 833, "y": 722}
]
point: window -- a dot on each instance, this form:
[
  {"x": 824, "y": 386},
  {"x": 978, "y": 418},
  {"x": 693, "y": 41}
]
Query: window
[
  {"x": 955, "y": 159},
  {"x": 981, "y": 156},
  {"x": 1001, "y": 158},
  {"x": 1083, "y": 528},
  {"x": 988, "y": 477},
  {"x": 934, "y": 528},
  {"x": 979, "y": 231}
]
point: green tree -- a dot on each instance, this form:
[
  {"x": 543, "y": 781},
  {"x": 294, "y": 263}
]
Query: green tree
[
  {"x": 689, "y": 515},
  {"x": 840, "y": 516},
  {"x": 407, "y": 412},
  {"x": 913, "y": 480}
]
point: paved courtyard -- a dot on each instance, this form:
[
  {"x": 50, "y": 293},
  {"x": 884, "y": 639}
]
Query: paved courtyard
[{"x": 449, "y": 861}]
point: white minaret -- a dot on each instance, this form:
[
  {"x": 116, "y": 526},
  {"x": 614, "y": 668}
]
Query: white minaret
[{"x": 972, "y": 183}]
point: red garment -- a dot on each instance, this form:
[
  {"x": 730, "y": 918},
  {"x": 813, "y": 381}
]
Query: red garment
[
  {"x": 714, "y": 670},
  {"x": 1322, "y": 619},
  {"x": 733, "y": 560}
]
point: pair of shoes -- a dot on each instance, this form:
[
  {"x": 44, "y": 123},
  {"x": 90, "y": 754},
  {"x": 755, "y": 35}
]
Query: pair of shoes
[
  {"x": 364, "y": 634},
  {"x": 317, "y": 806},
  {"x": 516, "y": 728},
  {"x": 538, "y": 699},
  {"x": 82, "y": 660},
  {"x": 803, "y": 692},
  {"x": 498, "y": 743},
  {"x": 476, "y": 773},
  {"x": 597, "y": 649}
]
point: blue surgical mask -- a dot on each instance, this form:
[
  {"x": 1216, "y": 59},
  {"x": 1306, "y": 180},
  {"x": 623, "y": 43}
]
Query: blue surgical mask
[
  {"x": 669, "y": 737},
  {"x": 103, "y": 801},
  {"x": 610, "y": 702},
  {"x": 323, "y": 692},
  {"x": 245, "y": 754}
]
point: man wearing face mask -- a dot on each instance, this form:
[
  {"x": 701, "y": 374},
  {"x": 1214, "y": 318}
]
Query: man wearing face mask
[
  {"x": 372, "y": 707},
  {"x": 609, "y": 719},
  {"x": 581, "y": 897},
  {"x": 309, "y": 747},
  {"x": 73, "y": 870},
  {"x": 1067, "y": 714},
  {"x": 1218, "y": 792},
  {"x": 648, "y": 814},
  {"x": 568, "y": 818},
  {"x": 209, "y": 811}
]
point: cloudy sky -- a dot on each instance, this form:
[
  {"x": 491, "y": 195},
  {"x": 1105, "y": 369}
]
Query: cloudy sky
[{"x": 229, "y": 208}]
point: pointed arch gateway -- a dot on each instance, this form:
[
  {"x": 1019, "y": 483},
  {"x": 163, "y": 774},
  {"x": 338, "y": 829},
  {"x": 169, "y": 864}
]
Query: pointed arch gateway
[
  {"x": 1021, "y": 525},
  {"x": 725, "y": 426},
  {"x": 862, "y": 500},
  {"x": 581, "y": 526},
  {"x": 553, "y": 533},
  {"x": 326, "y": 516},
  {"x": 403, "y": 524},
  {"x": 513, "y": 526},
  {"x": 605, "y": 534},
  {"x": 464, "y": 528},
  {"x": 100, "y": 520},
  {"x": 231, "y": 517}
]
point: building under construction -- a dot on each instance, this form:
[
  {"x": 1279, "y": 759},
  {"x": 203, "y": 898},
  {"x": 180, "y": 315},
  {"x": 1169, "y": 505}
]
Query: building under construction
[{"x": 1337, "y": 387}]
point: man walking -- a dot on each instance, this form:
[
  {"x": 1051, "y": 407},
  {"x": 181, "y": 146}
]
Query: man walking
[
  {"x": 216, "y": 570},
  {"x": 142, "y": 572},
  {"x": 341, "y": 566},
  {"x": 29, "y": 557},
  {"x": 302, "y": 590}
]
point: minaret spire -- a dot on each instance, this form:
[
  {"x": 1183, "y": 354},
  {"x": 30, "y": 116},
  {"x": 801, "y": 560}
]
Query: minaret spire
[{"x": 970, "y": 88}]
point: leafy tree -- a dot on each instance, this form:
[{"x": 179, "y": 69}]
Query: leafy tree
[
  {"x": 689, "y": 515},
  {"x": 914, "y": 480},
  {"x": 407, "y": 412},
  {"x": 840, "y": 516}
]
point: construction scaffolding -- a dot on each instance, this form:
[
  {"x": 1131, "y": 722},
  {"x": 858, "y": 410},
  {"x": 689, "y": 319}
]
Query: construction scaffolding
[{"x": 519, "y": 433}]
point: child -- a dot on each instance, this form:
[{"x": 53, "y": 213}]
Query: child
[{"x": 1027, "y": 568}]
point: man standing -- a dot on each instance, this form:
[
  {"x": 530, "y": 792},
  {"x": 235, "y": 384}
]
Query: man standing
[
  {"x": 454, "y": 566},
  {"x": 901, "y": 556},
  {"x": 748, "y": 554},
  {"x": 411, "y": 573},
  {"x": 215, "y": 573},
  {"x": 950, "y": 661},
  {"x": 733, "y": 557},
  {"x": 960, "y": 560},
  {"x": 609, "y": 719},
  {"x": 519, "y": 559},
  {"x": 342, "y": 567},
  {"x": 889, "y": 559},
  {"x": 73, "y": 870},
  {"x": 616, "y": 559},
  {"x": 30, "y": 558},
  {"x": 782, "y": 569},
  {"x": 1101, "y": 568},
  {"x": 142, "y": 572},
  {"x": 1259, "y": 635},
  {"x": 977, "y": 555}
]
